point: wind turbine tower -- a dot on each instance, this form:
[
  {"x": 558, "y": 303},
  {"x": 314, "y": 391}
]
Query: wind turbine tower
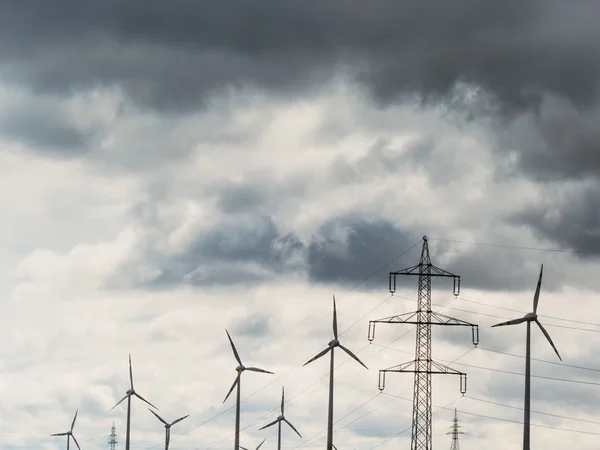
[
  {"x": 423, "y": 366},
  {"x": 112, "y": 439},
  {"x": 279, "y": 420},
  {"x": 528, "y": 319},
  {"x": 237, "y": 383},
  {"x": 455, "y": 432},
  {"x": 130, "y": 393},
  {"x": 330, "y": 348}
]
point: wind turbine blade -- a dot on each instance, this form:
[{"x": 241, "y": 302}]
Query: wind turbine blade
[
  {"x": 118, "y": 403},
  {"x": 292, "y": 427},
  {"x": 60, "y": 434},
  {"x": 256, "y": 369},
  {"x": 74, "y": 418},
  {"x": 179, "y": 420},
  {"x": 282, "y": 397},
  {"x": 237, "y": 380},
  {"x": 76, "y": 443},
  {"x": 235, "y": 353},
  {"x": 130, "y": 372},
  {"x": 536, "y": 297},
  {"x": 335, "y": 328},
  {"x": 263, "y": 441},
  {"x": 353, "y": 356},
  {"x": 144, "y": 400},
  {"x": 511, "y": 322},
  {"x": 317, "y": 356},
  {"x": 548, "y": 337},
  {"x": 243, "y": 448},
  {"x": 334, "y": 446},
  {"x": 269, "y": 424},
  {"x": 158, "y": 417}
]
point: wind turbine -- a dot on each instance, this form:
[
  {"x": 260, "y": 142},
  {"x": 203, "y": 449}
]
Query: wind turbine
[
  {"x": 263, "y": 441},
  {"x": 167, "y": 427},
  {"x": 130, "y": 392},
  {"x": 528, "y": 318},
  {"x": 239, "y": 369},
  {"x": 69, "y": 434},
  {"x": 278, "y": 421},
  {"x": 330, "y": 347}
]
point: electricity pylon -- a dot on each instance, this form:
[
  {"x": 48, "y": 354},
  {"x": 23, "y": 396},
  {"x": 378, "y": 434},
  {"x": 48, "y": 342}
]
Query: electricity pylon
[
  {"x": 423, "y": 366},
  {"x": 455, "y": 433}
]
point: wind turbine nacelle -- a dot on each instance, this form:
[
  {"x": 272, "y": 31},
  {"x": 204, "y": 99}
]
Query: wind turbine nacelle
[{"x": 531, "y": 316}]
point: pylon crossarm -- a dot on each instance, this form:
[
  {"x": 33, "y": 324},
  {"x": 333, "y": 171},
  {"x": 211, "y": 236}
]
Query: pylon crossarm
[
  {"x": 401, "y": 318},
  {"x": 412, "y": 318},
  {"x": 399, "y": 368},
  {"x": 432, "y": 271},
  {"x": 445, "y": 370},
  {"x": 435, "y": 271},
  {"x": 442, "y": 319}
]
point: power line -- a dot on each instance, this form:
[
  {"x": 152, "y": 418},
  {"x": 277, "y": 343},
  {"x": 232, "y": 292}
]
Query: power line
[
  {"x": 507, "y": 420},
  {"x": 516, "y": 247},
  {"x": 474, "y": 366},
  {"x": 504, "y": 318},
  {"x": 540, "y": 315},
  {"x": 537, "y": 412},
  {"x": 540, "y": 360}
]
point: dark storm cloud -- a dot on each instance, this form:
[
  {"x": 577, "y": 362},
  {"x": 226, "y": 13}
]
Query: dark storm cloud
[
  {"x": 44, "y": 124},
  {"x": 348, "y": 249},
  {"x": 171, "y": 54},
  {"x": 233, "y": 252},
  {"x": 572, "y": 220}
]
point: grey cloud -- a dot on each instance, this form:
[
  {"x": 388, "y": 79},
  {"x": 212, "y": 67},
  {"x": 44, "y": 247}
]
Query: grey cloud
[
  {"x": 232, "y": 252},
  {"x": 512, "y": 49},
  {"x": 571, "y": 219},
  {"x": 350, "y": 248},
  {"x": 44, "y": 124}
]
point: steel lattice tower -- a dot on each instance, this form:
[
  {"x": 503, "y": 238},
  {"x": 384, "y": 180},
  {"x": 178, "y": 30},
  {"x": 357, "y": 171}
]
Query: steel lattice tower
[
  {"x": 455, "y": 432},
  {"x": 112, "y": 439},
  {"x": 423, "y": 366}
]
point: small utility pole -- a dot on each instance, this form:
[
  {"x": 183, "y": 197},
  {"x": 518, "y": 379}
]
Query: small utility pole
[
  {"x": 455, "y": 432},
  {"x": 423, "y": 366},
  {"x": 112, "y": 439}
]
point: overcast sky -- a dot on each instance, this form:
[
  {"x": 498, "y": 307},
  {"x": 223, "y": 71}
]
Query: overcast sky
[{"x": 170, "y": 170}]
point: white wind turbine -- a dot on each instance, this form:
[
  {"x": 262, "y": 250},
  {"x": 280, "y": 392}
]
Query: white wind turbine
[
  {"x": 69, "y": 434},
  {"x": 529, "y": 318}
]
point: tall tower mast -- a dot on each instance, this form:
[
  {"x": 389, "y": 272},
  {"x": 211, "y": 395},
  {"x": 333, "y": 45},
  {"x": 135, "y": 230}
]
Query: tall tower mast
[
  {"x": 112, "y": 439},
  {"x": 455, "y": 432},
  {"x": 423, "y": 366}
]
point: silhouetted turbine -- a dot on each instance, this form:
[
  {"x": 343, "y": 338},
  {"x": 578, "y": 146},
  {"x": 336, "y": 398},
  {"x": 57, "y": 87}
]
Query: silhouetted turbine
[
  {"x": 528, "y": 318},
  {"x": 239, "y": 369},
  {"x": 167, "y": 427},
  {"x": 330, "y": 347},
  {"x": 130, "y": 392},
  {"x": 263, "y": 441},
  {"x": 69, "y": 434},
  {"x": 278, "y": 421}
]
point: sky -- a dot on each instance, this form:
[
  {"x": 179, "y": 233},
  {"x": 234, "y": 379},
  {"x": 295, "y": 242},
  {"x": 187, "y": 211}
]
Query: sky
[{"x": 170, "y": 170}]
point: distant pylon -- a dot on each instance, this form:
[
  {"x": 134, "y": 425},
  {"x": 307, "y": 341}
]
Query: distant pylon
[
  {"x": 423, "y": 367},
  {"x": 455, "y": 432},
  {"x": 112, "y": 439}
]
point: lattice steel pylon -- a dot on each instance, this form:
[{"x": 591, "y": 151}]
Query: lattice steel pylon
[
  {"x": 112, "y": 439},
  {"x": 455, "y": 432},
  {"x": 423, "y": 366}
]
